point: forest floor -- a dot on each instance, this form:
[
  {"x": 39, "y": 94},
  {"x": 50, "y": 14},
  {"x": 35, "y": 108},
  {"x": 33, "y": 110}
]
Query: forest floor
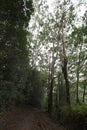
[{"x": 27, "y": 119}]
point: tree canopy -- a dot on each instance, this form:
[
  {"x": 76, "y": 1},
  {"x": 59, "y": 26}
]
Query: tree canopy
[{"x": 43, "y": 56}]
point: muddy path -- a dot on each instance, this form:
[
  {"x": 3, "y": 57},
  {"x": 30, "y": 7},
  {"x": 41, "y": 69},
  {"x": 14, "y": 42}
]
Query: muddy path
[{"x": 27, "y": 119}]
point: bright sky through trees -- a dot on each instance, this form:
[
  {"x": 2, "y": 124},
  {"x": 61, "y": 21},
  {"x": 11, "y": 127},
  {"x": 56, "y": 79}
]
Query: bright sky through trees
[{"x": 79, "y": 10}]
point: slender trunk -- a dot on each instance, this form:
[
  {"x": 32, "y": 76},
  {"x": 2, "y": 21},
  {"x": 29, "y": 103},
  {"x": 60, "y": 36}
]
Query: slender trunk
[
  {"x": 77, "y": 88},
  {"x": 65, "y": 70},
  {"x": 77, "y": 84},
  {"x": 57, "y": 103},
  {"x": 84, "y": 93},
  {"x": 67, "y": 82},
  {"x": 50, "y": 94},
  {"x": 50, "y": 97},
  {"x": 57, "y": 97}
]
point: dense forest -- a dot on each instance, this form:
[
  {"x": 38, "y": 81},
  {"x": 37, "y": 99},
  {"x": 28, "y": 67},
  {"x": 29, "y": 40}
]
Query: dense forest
[{"x": 43, "y": 58}]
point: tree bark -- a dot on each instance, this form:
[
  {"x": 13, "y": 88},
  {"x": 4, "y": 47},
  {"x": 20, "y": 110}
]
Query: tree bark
[
  {"x": 77, "y": 83},
  {"x": 77, "y": 88},
  {"x": 84, "y": 93},
  {"x": 50, "y": 93},
  {"x": 50, "y": 97},
  {"x": 65, "y": 73},
  {"x": 65, "y": 69}
]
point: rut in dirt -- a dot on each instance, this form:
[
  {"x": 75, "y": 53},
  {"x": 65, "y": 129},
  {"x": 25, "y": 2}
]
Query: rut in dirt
[{"x": 28, "y": 119}]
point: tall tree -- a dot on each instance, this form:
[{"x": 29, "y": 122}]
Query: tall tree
[
  {"x": 14, "y": 18},
  {"x": 66, "y": 10}
]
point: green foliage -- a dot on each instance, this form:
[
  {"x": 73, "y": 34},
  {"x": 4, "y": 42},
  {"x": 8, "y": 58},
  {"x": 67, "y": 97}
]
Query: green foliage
[
  {"x": 35, "y": 87},
  {"x": 80, "y": 109},
  {"x": 22, "y": 83},
  {"x": 14, "y": 18},
  {"x": 74, "y": 119},
  {"x": 79, "y": 113}
]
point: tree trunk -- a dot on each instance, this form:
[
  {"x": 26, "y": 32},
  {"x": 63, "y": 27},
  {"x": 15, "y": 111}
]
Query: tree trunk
[
  {"x": 50, "y": 93},
  {"x": 50, "y": 97},
  {"x": 77, "y": 84},
  {"x": 84, "y": 93},
  {"x": 65, "y": 69},
  {"x": 77, "y": 88}
]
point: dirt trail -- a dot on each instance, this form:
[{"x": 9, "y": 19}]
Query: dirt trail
[{"x": 28, "y": 119}]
